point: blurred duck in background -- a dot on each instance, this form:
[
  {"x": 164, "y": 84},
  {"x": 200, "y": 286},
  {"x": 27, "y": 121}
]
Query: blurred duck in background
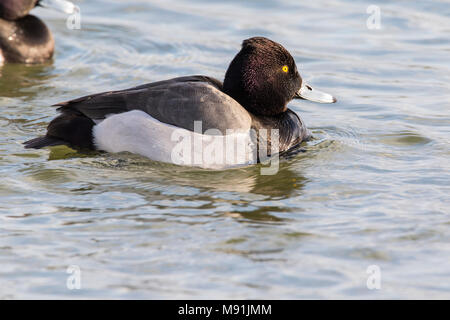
[{"x": 23, "y": 37}]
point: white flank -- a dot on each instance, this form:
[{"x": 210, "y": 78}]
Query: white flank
[{"x": 137, "y": 132}]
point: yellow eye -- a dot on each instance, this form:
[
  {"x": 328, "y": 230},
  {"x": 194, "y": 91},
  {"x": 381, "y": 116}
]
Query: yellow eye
[{"x": 285, "y": 69}]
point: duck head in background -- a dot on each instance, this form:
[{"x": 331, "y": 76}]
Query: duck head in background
[{"x": 23, "y": 37}]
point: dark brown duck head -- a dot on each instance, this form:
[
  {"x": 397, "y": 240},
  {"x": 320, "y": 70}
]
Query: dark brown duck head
[{"x": 263, "y": 78}]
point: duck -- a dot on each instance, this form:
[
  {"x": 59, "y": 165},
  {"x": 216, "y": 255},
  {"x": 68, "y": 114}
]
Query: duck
[
  {"x": 24, "y": 38},
  {"x": 196, "y": 120}
]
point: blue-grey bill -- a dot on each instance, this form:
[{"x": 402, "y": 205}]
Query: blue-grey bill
[
  {"x": 308, "y": 93},
  {"x": 59, "y": 5}
]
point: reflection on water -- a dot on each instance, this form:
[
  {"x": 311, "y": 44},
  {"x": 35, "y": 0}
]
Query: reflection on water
[
  {"x": 371, "y": 187},
  {"x": 247, "y": 179},
  {"x": 18, "y": 80}
]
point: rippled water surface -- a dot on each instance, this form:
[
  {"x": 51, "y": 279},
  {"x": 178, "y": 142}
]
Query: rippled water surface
[{"x": 372, "y": 188}]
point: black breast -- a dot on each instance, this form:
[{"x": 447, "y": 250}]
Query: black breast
[{"x": 291, "y": 129}]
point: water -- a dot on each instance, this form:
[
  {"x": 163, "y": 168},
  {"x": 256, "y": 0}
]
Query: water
[{"x": 372, "y": 188}]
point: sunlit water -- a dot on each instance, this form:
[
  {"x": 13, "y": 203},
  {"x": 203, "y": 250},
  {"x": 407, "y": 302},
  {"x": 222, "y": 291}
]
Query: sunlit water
[{"x": 372, "y": 188}]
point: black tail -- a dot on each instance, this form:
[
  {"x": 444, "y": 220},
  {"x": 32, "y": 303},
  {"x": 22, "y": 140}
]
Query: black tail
[
  {"x": 42, "y": 142},
  {"x": 70, "y": 128}
]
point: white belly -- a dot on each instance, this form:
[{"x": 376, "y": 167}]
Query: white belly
[{"x": 137, "y": 132}]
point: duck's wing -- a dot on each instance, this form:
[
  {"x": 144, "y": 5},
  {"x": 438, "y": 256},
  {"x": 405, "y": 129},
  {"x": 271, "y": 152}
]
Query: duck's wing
[{"x": 178, "y": 101}]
